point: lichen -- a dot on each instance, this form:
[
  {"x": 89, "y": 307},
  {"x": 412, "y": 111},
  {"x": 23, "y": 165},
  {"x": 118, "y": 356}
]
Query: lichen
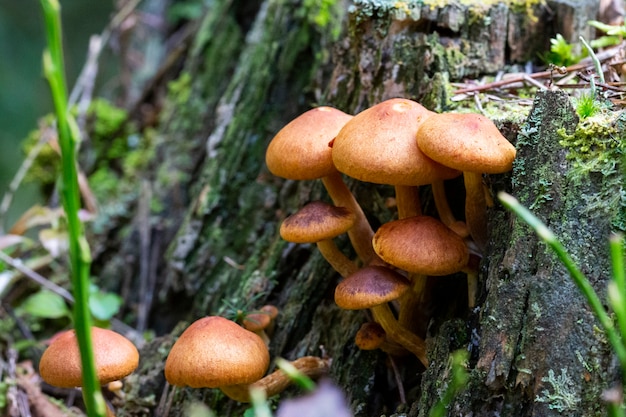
[{"x": 562, "y": 396}]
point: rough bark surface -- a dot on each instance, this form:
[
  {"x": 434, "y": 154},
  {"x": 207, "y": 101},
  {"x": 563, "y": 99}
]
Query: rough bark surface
[{"x": 211, "y": 210}]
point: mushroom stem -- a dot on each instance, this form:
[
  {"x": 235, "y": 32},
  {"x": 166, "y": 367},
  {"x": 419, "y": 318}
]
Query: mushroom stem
[
  {"x": 475, "y": 208},
  {"x": 277, "y": 381},
  {"x": 408, "y": 201},
  {"x": 361, "y": 233},
  {"x": 411, "y": 315},
  {"x": 472, "y": 288},
  {"x": 443, "y": 208},
  {"x": 410, "y": 341},
  {"x": 336, "y": 258},
  {"x": 471, "y": 271}
]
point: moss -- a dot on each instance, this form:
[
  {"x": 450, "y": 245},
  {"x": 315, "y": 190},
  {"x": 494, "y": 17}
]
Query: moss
[
  {"x": 596, "y": 150},
  {"x": 411, "y": 9}
]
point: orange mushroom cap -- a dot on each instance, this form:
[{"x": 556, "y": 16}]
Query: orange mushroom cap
[
  {"x": 370, "y": 336},
  {"x": 300, "y": 150},
  {"x": 421, "y": 244},
  {"x": 215, "y": 352},
  {"x": 467, "y": 142},
  {"x": 378, "y": 145},
  {"x": 315, "y": 222},
  {"x": 256, "y": 321},
  {"x": 115, "y": 358},
  {"x": 369, "y": 287}
]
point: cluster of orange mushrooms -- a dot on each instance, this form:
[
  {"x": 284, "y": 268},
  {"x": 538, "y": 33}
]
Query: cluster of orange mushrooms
[
  {"x": 396, "y": 142},
  {"x": 400, "y": 143}
]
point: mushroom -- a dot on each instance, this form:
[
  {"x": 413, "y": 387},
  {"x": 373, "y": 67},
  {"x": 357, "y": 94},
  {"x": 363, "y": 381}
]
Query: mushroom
[
  {"x": 473, "y": 144},
  {"x": 372, "y": 336},
  {"x": 115, "y": 358},
  {"x": 214, "y": 352},
  {"x": 261, "y": 321},
  {"x": 319, "y": 223},
  {"x": 423, "y": 246},
  {"x": 374, "y": 287},
  {"x": 378, "y": 145},
  {"x": 301, "y": 151}
]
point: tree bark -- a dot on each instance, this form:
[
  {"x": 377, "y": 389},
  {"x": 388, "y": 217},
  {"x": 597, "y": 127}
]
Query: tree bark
[{"x": 203, "y": 237}]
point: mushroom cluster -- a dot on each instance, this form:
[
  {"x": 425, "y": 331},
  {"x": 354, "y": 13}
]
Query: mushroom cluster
[{"x": 400, "y": 143}]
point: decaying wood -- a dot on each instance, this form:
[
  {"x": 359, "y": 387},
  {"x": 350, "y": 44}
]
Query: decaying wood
[{"x": 214, "y": 235}]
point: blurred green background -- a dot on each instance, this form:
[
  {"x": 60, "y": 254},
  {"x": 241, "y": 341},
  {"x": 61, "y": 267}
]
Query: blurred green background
[{"x": 24, "y": 94}]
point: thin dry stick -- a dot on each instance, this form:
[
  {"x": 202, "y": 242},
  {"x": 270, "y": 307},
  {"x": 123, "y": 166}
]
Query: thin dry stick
[
  {"x": 396, "y": 375},
  {"x": 537, "y": 75},
  {"x": 19, "y": 266},
  {"x": 35, "y": 277}
]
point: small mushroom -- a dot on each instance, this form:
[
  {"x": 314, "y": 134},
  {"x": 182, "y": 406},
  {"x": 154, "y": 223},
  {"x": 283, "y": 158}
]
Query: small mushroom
[
  {"x": 261, "y": 322},
  {"x": 423, "y": 246},
  {"x": 115, "y": 358},
  {"x": 320, "y": 223},
  {"x": 374, "y": 287},
  {"x": 473, "y": 144},
  {"x": 372, "y": 336},
  {"x": 214, "y": 352}
]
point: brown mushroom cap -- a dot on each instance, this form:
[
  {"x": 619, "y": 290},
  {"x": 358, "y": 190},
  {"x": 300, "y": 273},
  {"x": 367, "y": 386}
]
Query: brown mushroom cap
[
  {"x": 256, "y": 321},
  {"x": 370, "y": 336},
  {"x": 300, "y": 150},
  {"x": 115, "y": 358},
  {"x": 378, "y": 145},
  {"x": 315, "y": 222},
  {"x": 421, "y": 245},
  {"x": 467, "y": 142},
  {"x": 214, "y": 352},
  {"x": 369, "y": 287}
]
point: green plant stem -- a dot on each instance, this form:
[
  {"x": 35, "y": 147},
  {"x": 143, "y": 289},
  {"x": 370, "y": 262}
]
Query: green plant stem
[
  {"x": 579, "y": 278},
  {"x": 617, "y": 288},
  {"x": 595, "y": 60},
  {"x": 616, "y": 243},
  {"x": 80, "y": 257}
]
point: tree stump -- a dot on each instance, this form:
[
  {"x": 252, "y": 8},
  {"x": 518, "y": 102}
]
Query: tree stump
[{"x": 205, "y": 229}]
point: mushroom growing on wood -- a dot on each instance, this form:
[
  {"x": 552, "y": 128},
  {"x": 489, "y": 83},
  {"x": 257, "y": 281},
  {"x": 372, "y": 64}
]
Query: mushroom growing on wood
[
  {"x": 301, "y": 151},
  {"x": 115, "y": 358},
  {"x": 374, "y": 287},
  {"x": 261, "y": 322},
  {"x": 425, "y": 247},
  {"x": 378, "y": 145},
  {"x": 473, "y": 144},
  {"x": 214, "y": 352},
  {"x": 371, "y": 336},
  {"x": 320, "y": 223}
]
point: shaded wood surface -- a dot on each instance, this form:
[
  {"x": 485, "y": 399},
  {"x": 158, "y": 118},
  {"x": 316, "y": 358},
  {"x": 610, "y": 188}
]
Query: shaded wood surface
[{"x": 211, "y": 209}]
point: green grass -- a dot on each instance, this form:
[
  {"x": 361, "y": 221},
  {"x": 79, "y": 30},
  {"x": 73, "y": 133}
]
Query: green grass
[{"x": 80, "y": 256}]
